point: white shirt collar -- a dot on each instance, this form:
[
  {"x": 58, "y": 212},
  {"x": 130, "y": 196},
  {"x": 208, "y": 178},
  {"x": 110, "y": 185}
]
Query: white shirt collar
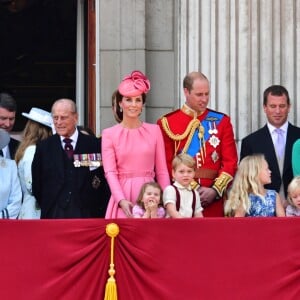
[
  {"x": 177, "y": 184},
  {"x": 284, "y": 127},
  {"x": 73, "y": 137}
]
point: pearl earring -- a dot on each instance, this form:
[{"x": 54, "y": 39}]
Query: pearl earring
[{"x": 121, "y": 109}]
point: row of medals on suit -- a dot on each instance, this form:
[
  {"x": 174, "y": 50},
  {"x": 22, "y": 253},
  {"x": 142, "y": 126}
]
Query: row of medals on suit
[{"x": 87, "y": 160}]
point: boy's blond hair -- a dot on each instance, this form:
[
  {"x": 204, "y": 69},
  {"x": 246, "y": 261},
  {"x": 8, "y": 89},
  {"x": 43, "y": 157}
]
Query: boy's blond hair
[{"x": 185, "y": 159}]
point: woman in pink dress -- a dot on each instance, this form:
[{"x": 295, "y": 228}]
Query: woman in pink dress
[{"x": 132, "y": 151}]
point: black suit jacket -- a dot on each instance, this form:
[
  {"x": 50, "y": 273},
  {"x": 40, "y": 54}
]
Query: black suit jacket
[
  {"x": 12, "y": 146},
  {"x": 260, "y": 141},
  {"x": 48, "y": 176}
]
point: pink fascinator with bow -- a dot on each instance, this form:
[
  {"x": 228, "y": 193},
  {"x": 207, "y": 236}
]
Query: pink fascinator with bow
[{"x": 134, "y": 84}]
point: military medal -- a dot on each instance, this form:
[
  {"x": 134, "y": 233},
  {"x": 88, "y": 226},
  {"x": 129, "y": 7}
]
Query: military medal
[
  {"x": 84, "y": 160},
  {"x": 212, "y": 128},
  {"x": 210, "y": 131},
  {"x": 214, "y": 141},
  {"x": 215, "y": 130},
  {"x": 87, "y": 160},
  {"x": 76, "y": 161},
  {"x": 215, "y": 156}
]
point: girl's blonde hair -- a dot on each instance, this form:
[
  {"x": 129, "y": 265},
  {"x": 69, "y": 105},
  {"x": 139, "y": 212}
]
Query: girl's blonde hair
[
  {"x": 33, "y": 133},
  {"x": 293, "y": 187},
  {"x": 185, "y": 159},
  {"x": 139, "y": 200},
  {"x": 246, "y": 181}
]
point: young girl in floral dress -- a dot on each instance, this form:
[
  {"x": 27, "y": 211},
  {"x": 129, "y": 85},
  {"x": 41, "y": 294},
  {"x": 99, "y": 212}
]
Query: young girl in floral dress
[{"x": 248, "y": 197}]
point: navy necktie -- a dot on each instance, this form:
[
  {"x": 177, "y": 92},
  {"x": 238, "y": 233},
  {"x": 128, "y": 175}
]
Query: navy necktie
[
  {"x": 1, "y": 153},
  {"x": 68, "y": 147}
]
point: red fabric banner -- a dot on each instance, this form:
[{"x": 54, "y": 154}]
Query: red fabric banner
[{"x": 213, "y": 258}]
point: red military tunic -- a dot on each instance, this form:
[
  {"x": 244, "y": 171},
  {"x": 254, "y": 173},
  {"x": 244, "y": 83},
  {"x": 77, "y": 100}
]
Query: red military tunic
[{"x": 210, "y": 140}]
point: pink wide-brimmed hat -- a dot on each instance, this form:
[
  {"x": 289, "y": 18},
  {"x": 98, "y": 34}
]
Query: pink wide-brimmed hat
[{"x": 134, "y": 84}]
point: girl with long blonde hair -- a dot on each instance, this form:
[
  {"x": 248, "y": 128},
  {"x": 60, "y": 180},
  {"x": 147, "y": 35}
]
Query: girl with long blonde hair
[
  {"x": 37, "y": 128},
  {"x": 248, "y": 196}
]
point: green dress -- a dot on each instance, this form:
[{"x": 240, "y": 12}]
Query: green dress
[{"x": 296, "y": 158}]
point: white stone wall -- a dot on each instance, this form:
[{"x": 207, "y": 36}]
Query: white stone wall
[
  {"x": 122, "y": 47},
  {"x": 160, "y": 57},
  {"x": 242, "y": 46}
]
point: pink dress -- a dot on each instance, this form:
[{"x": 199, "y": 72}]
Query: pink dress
[
  {"x": 138, "y": 212},
  {"x": 132, "y": 157}
]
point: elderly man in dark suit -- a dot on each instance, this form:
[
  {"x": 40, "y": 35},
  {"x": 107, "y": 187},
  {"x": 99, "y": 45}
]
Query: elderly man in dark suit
[
  {"x": 8, "y": 108},
  {"x": 275, "y": 140},
  {"x": 67, "y": 174}
]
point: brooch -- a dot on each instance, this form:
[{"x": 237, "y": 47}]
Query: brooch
[
  {"x": 214, "y": 141},
  {"x": 215, "y": 156}
]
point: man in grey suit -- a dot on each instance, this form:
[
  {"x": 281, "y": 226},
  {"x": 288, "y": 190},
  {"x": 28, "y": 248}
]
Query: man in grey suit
[
  {"x": 276, "y": 104},
  {"x": 67, "y": 175}
]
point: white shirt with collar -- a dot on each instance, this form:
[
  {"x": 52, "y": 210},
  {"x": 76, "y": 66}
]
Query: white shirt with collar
[
  {"x": 73, "y": 137},
  {"x": 272, "y": 129},
  {"x": 273, "y": 133},
  {"x": 186, "y": 199}
]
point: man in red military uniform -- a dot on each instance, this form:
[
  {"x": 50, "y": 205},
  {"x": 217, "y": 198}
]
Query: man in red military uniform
[{"x": 207, "y": 135}]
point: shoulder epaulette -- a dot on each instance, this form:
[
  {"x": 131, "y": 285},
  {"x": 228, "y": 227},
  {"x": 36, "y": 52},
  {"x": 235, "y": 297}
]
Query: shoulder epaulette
[
  {"x": 217, "y": 112},
  {"x": 169, "y": 114}
]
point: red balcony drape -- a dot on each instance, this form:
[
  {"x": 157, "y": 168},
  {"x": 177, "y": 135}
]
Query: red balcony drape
[{"x": 213, "y": 258}]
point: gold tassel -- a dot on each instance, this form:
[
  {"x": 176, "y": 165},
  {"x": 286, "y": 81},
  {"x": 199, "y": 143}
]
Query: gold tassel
[{"x": 112, "y": 230}]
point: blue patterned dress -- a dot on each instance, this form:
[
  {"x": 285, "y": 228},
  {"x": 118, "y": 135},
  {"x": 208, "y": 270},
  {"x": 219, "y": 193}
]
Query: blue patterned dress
[{"x": 263, "y": 207}]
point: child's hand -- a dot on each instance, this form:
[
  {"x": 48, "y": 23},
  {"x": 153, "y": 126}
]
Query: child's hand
[
  {"x": 152, "y": 205},
  {"x": 147, "y": 213},
  {"x": 146, "y": 205}
]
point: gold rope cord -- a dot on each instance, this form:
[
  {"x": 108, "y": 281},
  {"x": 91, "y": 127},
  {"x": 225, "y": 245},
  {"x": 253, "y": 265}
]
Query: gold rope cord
[
  {"x": 178, "y": 137},
  {"x": 112, "y": 230}
]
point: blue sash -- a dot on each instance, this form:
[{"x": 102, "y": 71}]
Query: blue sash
[{"x": 212, "y": 118}]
